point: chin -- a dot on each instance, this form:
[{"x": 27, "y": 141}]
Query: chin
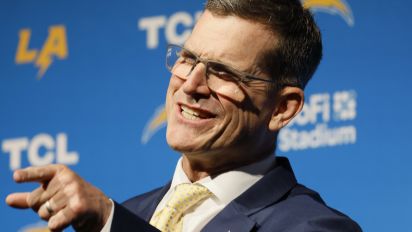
[
  {"x": 176, "y": 141},
  {"x": 181, "y": 146},
  {"x": 185, "y": 144}
]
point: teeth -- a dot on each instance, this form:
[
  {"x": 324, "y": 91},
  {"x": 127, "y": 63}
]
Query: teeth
[
  {"x": 190, "y": 114},
  {"x": 189, "y": 111}
]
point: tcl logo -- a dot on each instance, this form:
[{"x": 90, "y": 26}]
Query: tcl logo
[
  {"x": 42, "y": 149},
  {"x": 176, "y": 28}
]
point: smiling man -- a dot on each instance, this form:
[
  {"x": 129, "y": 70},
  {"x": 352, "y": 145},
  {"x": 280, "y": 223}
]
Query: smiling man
[{"x": 234, "y": 84}]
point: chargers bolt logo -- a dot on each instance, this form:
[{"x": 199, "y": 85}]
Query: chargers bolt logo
[
  {"x": 54, "y": 46},
  {"x": 340, "y": 7}
]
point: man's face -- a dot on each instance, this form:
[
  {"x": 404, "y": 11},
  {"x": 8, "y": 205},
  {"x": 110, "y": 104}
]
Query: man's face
[{"x": 201, "y": 121}]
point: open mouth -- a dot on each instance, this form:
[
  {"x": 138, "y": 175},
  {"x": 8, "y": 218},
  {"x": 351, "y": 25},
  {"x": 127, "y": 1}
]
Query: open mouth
[{"x": 194, "y": 114}]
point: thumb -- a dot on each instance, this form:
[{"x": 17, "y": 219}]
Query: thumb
[{"x": 18, "y": 200}]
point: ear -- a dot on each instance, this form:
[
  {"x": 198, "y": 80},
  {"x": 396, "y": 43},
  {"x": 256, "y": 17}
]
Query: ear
[{"x": 289, "y": 103}]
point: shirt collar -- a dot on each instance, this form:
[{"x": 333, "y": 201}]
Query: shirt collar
[{"x": 228, "y": 185}]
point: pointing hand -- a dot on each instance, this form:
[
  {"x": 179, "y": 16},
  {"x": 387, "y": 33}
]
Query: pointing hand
[{"x": 63, "y": 198}]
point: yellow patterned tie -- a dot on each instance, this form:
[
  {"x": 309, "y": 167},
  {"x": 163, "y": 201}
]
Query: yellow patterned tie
[{"x": 186, "y": 196}]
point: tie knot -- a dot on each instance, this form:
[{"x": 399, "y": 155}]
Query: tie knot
[
  {"x": 184, "y": 197},
  {"x": 187, "y": 195}
]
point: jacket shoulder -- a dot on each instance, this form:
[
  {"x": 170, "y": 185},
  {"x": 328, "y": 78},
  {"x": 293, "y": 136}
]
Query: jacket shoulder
[{"x": 304, "y": 210}]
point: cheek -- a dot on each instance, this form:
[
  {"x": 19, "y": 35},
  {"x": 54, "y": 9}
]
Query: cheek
[
  {"x": 244, "y": 122},
  {"x": 233, "y": 125},
  {"x": 175, "y": 82},
  {"x": 174, "y": 85}
]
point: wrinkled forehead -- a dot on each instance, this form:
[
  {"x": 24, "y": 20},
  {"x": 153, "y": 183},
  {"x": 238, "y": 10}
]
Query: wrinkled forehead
[{"x": 230, "y": 39}]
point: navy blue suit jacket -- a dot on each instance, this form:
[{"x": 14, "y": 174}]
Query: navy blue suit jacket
[{"x": 275, "y": 203}]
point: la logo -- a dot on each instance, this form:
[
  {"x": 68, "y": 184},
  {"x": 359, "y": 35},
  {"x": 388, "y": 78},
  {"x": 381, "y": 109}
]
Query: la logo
[{"x": 54, "y": 46}]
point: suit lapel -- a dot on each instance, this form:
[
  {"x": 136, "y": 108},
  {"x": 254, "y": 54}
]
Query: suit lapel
[
  {"x": 154, "y": 199},
  {"x": 238, "y": 215},
  {"x": 230, "y": 220}
]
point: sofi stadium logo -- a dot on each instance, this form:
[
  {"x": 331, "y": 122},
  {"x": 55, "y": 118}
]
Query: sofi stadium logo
[
  {"x": 54, "y": 46},
  {"x": 327, "y": 120}
]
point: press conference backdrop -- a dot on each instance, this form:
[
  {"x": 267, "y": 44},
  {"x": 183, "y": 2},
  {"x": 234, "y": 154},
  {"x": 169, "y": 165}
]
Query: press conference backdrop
[{"x": 82, "y": 83}]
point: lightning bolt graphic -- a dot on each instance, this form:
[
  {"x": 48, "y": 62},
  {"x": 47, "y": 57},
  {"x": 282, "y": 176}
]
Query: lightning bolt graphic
[
  {"x": 155, "y": 123},
  {"x": 43, "y": 63},
  {"x": 331, "y": 6},
  {"x": 55, "y": 46}
]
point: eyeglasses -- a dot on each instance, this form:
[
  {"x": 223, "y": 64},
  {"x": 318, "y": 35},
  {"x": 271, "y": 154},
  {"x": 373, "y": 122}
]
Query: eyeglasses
[{"x": 220, "y": 77}]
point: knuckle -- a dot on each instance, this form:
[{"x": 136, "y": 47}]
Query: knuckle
[
  {"x": 76, "y": 188},
  {"x": 43, "y": 215},
  {"x": 64, "y": 178},
  {"x": 67, "y": 176},
  {"x": 31, "y": 201},
  {"x": 78, "y": 207},
  {"x": 58, "y": 222},
  {"x": 60, "y": 166},
  {"x": 53, "y": 224},
  {"x": 41, "y": 173},
  {"x": 72, "y": 175}
]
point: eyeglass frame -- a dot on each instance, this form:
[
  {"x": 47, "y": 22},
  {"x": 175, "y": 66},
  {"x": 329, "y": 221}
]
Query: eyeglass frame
[{"x": 240, "y": 76}]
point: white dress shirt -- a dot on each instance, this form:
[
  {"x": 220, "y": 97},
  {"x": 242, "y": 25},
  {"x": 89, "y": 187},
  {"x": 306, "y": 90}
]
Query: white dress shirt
[{"x": 225, "y": 188}]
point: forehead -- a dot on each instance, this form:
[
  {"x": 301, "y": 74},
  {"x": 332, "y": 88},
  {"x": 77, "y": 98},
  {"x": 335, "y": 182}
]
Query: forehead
[{"x": 230, "y": 39}]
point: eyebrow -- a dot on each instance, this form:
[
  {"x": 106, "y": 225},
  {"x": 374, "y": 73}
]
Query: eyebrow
[{"x": 230, "y": 66}]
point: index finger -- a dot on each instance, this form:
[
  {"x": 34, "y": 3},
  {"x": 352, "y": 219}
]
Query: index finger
[
  {"x": 18, "y": 200},
  {"x": 39, "y": 174}
]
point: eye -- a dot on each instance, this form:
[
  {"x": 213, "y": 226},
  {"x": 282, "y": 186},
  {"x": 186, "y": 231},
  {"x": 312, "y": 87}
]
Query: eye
[
  {"x": 186, "y": 57},
  {"x": 222, "y": 72}
]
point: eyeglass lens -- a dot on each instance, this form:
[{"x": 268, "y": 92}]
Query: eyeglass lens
[{"x": 183, "y": 63}]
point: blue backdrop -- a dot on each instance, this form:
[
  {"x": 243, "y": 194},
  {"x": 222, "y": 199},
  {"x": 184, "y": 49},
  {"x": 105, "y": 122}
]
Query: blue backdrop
[{"x": 83, "y": 83}]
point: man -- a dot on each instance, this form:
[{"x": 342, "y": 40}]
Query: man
[{"x": 235, "y": 83}]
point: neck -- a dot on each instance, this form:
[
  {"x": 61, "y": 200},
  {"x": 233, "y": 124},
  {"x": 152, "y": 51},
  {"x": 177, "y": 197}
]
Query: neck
[{"x": 198, "y": 166}]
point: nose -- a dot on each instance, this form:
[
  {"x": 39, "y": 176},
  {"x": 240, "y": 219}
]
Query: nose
[{"x": 196, "y": 82}]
